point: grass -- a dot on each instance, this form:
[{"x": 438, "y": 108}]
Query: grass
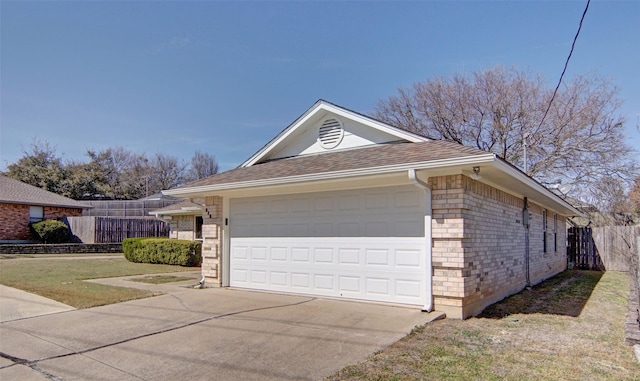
[
  {"x": 160, "y": 279},
  {"x": 63, "y": 279},
  {"x": 567, "y": 328}
]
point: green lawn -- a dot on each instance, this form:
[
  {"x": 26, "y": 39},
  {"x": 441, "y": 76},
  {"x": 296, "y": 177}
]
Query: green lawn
[
  {"x": 567, "y": 328},
  {"x": 62, "y": 278}
]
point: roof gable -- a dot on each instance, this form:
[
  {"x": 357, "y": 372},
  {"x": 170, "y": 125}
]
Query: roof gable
[{"x": 325, "y": 128}]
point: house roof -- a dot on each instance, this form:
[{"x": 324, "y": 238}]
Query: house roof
[
  {"x": 181, "y": 208},
  {"x": 395, "y": 158},
  {"x": 386, "y": 155},
  {"x": 16, "y": 192},
  {"x": 318, "y": 111}
]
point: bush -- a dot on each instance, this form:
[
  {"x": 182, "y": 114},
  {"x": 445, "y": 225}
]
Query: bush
[
  {"x": 163, "y": 250},
  {"x": 50, "y": 231}
]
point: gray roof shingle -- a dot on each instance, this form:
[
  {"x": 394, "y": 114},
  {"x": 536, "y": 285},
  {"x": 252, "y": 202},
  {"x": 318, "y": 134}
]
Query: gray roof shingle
[
  {"x": 353, "y": 159},
  {"x": 16, "y": 192}
]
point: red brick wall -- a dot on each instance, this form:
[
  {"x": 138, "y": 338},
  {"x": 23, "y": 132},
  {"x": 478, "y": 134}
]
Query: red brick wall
[
  {"x": 14, "y": 219},
  {"x": 51, "y": 212}
]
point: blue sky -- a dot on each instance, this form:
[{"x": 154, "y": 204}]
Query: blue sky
[{"x": 225, "y": 77}]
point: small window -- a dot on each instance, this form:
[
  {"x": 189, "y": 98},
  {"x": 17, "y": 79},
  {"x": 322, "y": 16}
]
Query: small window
[
  {"x": 544, "y": 231},
  {"x": 36, "y": 214},
  {"x": 555, "y": 232},
  {"x": 199, "y": 222}
]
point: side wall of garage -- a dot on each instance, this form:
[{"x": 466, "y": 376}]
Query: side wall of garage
[{"x": 479, "y": 250}]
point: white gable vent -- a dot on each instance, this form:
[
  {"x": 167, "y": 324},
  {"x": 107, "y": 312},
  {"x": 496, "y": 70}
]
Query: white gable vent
[{"x": 330, "y": 133}]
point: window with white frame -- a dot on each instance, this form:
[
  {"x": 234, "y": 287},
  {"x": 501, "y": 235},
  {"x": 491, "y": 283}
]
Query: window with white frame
[{"x": 36, "y": 214}]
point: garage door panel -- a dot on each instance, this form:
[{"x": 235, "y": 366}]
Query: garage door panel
[
  {"x": 349, "y": 257},
  {"x": 377, "y": 257},
  {"x": 279, "y": 254},
  {"x": 362, "y": 244},
  {"x": 323, "y": 255}
]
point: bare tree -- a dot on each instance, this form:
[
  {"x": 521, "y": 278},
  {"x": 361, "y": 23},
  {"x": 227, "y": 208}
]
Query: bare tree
[
  {"x": 202, "y": 165},
  {"x": 120, "y": 172},
  {"x": 580, "y": 142},
  {"x": 165, "y": 172},
  {"x": 634, "y": 196}
]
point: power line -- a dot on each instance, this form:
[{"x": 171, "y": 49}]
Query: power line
[{"x": 565, "y": 65}]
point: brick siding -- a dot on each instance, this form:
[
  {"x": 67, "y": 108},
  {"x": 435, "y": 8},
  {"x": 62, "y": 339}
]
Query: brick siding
[
  {"x": 212, "y": 241},
  {"x": 479, "y": 245},
  {"x": 183, "y": 227},
  {"x": 14, "y": 219}
]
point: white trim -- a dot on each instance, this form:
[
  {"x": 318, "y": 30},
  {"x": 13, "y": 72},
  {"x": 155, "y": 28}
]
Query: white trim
[
  {"x": 323, "y": 106},
  {"x": 226, "y": 243},
  {"x": 528, "y": 181},
  {"x": 428, "y": 241},
  {"x": 432, "y": 164}
]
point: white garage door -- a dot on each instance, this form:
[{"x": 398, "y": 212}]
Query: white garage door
[{"x": 360, "y": 244}]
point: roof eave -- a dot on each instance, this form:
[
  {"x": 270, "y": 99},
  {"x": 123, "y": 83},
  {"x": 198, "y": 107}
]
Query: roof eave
[
  {"x": 18, "y": 202},
  {"x": 537, "y": 187},
  {"x": 380, "y": 170}
]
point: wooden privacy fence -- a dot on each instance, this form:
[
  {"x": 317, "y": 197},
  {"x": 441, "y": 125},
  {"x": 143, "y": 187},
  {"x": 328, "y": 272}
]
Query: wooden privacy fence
[
  {"x": 602, "y": 248},
  {"x": 114, "y": 230},
  {"x": 125, "y": 208},
  {"x": 581, "y": 249}
]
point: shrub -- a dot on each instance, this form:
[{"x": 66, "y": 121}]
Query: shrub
[
  {"x": 162, "y": 250},
  {"x": 50, "y": 231}
]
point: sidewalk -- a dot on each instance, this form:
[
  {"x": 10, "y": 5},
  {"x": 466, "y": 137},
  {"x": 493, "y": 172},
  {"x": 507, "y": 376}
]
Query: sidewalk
[{"x": 17, "y": 304}]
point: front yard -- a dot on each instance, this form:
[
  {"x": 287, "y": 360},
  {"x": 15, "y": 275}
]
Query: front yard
[
  {"x": 567, "y": 328},
  {"x": 61, "y": 278}
]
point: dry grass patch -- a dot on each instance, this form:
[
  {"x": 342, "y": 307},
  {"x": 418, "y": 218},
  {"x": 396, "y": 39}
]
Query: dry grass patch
[
  {"x": 62, "y": 279},
  {"x": 567, "y": 328},
  {"x": 160, "y": 279}
]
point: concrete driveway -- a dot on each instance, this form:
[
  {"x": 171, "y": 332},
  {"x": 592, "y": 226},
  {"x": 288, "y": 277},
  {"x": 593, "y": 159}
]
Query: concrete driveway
[{"x": 208, "y": 334}]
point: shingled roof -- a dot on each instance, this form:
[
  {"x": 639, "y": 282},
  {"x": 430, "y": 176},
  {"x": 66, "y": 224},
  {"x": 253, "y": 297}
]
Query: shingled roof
[
  {"x": 352, "y": 159},
  {"x": 16, "y": 192},
  {"x": 184, "y": 207}
]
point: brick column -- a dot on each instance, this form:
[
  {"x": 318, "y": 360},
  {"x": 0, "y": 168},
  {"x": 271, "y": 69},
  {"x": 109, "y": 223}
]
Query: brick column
[{"x": 212, "y": 241}]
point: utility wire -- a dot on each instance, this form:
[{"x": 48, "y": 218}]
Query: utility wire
[{"x": 565, "y": 65}]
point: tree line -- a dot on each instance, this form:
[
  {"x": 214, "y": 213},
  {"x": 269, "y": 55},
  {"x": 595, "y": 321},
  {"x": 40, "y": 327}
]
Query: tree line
[
  {"x": 113, "y": 173},
  {"x": 572, "y": 141}
]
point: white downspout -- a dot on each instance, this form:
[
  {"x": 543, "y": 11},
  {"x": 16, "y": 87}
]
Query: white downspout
[{"x": 428, "y": 307}]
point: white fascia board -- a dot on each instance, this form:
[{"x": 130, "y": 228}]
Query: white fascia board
[
  {"x": 536, "y": 186},
  {"x": 282, "y": 136},
  {"x": 402, "y": 134},
  {"x": 432, "y": 164},
  {"x": 327, "y": 107}
]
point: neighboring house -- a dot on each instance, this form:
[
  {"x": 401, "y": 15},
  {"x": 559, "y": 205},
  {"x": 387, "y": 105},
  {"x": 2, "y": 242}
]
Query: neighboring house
[
  {"x": 342, "y": 205},
  {"x": 21, "y": 204},
  {"x": 184, "y": 218}
]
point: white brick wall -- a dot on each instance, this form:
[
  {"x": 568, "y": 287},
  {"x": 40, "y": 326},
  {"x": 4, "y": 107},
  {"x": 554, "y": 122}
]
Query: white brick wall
[{"x": 212, "y": 241}]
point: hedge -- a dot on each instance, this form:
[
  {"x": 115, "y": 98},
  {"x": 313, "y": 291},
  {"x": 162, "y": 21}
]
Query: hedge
[
  {"x": 50, "y": 231},
  {"x": 163, "y": 250}
]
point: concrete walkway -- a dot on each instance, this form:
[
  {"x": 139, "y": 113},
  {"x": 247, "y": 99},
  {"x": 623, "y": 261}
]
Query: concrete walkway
[
  {"x": 17, "y": 304},
  {"x": 201, "y": 334}
]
